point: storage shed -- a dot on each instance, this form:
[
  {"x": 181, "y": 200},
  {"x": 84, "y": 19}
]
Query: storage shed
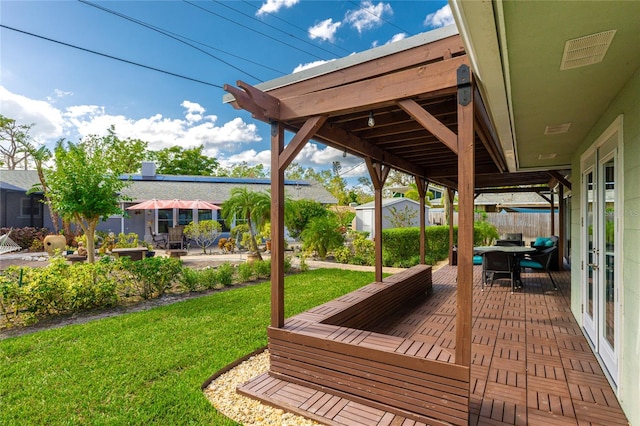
[{"x": 394, "y": 210}]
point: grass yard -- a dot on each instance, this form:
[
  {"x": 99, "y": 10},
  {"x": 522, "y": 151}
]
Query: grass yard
[{"x": 147, "y": 367}]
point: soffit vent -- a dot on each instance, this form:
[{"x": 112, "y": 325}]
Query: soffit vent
[
  {"x": 586, "y": 50},
  {"x": 557, "y": 129}
]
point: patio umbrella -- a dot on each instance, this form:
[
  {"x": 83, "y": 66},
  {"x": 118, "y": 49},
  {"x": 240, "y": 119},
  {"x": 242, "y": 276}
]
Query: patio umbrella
[
  {"x": 153, "y": 204},
  {"x": 203, "y": 205}
]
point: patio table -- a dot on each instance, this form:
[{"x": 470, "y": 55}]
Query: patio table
[{"x": 517, "y": 252}]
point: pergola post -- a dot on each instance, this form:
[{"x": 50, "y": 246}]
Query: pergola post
[
  {"x": 378, "y": 173},
  {"x": 277, "y": 226},
  {"x": 466, "y": 172},
  {"x": 422, "y": 190},
  {"x": 281, "y": 157},
  {"x": 552, "y": 211},
  {"x": 562, "y": 225},
  {"x": 450, "y": 195}
]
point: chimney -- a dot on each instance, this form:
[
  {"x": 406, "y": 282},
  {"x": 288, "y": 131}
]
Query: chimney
[{"x": 148, "y": 169}]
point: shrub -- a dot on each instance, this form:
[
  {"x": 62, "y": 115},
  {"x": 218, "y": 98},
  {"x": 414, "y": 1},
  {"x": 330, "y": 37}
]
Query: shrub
[
  {"x": 343, "y": 254},
  {"x": 262, "y": 269},
  {"x": 225, "y": 274},
  {"x": 153, "y": 275},
  {"x": 322, "y": 235},
  {"x": 209, "y": 278},
  {"x": 190, "y": 279},
  {"x": 245, "y": 271},
  {"x": 203, "y": 233},
  {"x": 287, "y": 264},
  {"x": 363, "y": 249}
]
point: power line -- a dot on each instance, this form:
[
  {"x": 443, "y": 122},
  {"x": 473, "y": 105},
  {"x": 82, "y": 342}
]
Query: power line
[
  {"x": 273, "y": 15},
  {"x": 295, "y": 26},
  {"x": 379, "y": 17},
  {"x": 112, "y": 57},
  {"x": 251, "y": 29},
  {"x": 151, "y": 27},
  {"x": 275, "y": 28}
]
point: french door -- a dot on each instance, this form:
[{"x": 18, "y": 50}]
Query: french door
[{"x": 601, "y": 259}]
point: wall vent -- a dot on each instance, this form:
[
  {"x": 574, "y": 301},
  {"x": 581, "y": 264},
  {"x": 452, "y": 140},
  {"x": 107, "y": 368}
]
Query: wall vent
[
  {"x": 557, "y": 129},
  {"x": 586, "y": 50}
]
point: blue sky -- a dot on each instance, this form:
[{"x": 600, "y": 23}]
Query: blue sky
[{"x": 70, "y": 93}]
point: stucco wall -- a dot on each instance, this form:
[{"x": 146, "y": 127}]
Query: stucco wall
[{"x": 628, "y": 104}]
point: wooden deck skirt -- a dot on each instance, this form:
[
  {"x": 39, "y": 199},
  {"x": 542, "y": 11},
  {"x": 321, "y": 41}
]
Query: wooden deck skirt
[{"x": 332, "y": 348}]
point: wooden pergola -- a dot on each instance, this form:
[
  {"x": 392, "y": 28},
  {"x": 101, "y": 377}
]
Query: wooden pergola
[{"x": 415, "y": 109}]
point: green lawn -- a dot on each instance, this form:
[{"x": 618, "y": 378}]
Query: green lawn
[{"x": 147, "y": 367}]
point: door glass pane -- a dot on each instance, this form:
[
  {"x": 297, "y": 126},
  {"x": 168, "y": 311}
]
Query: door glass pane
[
  {"x": 609, "y": 246},
  {"x": 589, "y": 189}
]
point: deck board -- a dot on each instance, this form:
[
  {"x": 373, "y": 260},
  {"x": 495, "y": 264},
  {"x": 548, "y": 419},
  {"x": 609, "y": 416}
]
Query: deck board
[{"x": 531, "y": 365}]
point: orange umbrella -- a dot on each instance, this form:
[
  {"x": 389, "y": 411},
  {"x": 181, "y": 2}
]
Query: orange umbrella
[{"x": 148, "y": 205}]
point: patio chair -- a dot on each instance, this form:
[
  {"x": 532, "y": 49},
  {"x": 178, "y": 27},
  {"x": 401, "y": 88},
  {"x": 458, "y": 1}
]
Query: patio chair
[
  {"x": 497, "y": 265},
  {"x": 540, "y": 261},
  {"x": 176, "y": 238},
  {"x": 159, "y": 241}
]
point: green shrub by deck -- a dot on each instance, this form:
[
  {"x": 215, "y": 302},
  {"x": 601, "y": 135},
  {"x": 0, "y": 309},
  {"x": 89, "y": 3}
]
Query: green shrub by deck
[{"x": 401, "y": 246}]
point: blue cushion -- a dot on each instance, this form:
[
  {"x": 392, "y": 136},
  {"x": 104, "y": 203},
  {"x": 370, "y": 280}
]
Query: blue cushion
[
  {"x": 548, "y": 243},
  {"x": 526, "y": 263},
  {"x": 541, "y": 241},
  {"x": 477, "y": 260}
]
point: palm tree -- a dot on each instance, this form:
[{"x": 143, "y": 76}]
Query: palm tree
[{"x": 252, "y": 206}]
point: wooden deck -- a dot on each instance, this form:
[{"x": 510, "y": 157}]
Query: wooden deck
[{"x": 531, "y": 364}]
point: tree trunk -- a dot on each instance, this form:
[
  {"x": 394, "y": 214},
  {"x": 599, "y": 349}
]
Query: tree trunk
[{"x": 89, "y": 229}]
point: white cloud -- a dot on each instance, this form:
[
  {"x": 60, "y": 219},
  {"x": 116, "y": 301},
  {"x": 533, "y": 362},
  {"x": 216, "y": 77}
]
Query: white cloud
[
  {"x": 368, "y": 16},
  {"x": 439, "y": 18},
  {"x": 273, "y": 6},
  {"x": 58, "y": 94},
  {"x": 303, "y": 67},
  {"x": 194, "y": 111},
  {"x": 78, "y": 121},
  {"x": 48, "y": 120},
  {"x": 325, "y": 30},
  {"x": 397, "y": 37}
]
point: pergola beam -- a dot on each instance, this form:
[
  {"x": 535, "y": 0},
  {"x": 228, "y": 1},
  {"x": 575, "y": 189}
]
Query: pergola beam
[
  {"x": 430, "y": 123},
  {"x": 362, "y": 95},
  {"x": 378, "y": 173}
]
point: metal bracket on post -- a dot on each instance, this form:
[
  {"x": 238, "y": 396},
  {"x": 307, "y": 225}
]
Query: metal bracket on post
[{"x": 464, "y": 85}]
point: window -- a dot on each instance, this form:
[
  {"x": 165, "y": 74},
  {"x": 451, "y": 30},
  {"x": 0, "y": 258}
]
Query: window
[
  {"x": 30, "y": 207},
  {"x": 165, "y": 220},
  {"x": 185, "y": 216}
]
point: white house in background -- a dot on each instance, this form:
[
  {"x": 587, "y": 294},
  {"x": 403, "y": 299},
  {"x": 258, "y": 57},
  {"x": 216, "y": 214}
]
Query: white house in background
[{"x": 392, "y": 208}]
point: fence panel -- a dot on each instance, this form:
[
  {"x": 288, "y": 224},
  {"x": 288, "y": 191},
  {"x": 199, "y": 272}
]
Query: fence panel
[{"x": 531, "y": 225}]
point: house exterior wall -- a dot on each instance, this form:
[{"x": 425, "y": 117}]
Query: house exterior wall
[{"x": 627, "y": 103}]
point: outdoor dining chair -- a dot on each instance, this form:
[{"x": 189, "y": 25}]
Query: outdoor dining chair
[
  {"x": 159, "y": 241},
  {"x": 496, "y": 265},
  {"x": 540, "y": 261},
  {"x": 176, "y": 238}
]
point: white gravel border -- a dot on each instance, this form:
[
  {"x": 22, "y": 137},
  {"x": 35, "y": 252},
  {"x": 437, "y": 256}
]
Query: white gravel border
[{"x": 250, "y": 412}]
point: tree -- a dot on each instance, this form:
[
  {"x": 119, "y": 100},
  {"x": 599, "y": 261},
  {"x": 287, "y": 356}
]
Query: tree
[
  {"x": 245, "y": 170},
  {"x": 184, "y": 161},
  {"x": 204, "y": 233},
  {"x": 299, "y": 213},
  {"x": 401, "y": 218},
  {"x": 129, "y": 152},
  {"x": 13, "y": 138},
  {"x": 40, "y": 156},
  {"x": 84, "y": 185},
  {"x": 252, "y": 206},
  {"x": 322, "y": 235}
]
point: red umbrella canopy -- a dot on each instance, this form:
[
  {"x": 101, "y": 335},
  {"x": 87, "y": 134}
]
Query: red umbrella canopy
[
  {"x": 148, "y": 205},
  {"x": 173, "y": 204},
  {"x": 203, "y": 205}
]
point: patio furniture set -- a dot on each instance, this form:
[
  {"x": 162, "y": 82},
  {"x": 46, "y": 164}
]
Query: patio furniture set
[{"x": 509, "y": 256}]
